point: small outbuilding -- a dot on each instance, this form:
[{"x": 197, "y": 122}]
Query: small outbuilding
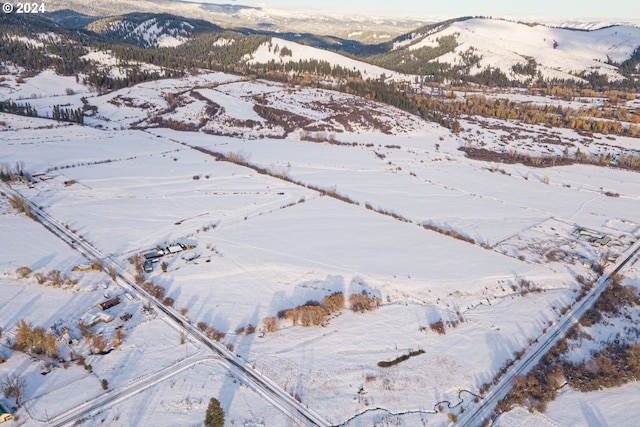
[
  {"x": 602, "y": 241},
  {"x": 105, "y": 318},
  {"x": 154, "y": 253},
  {"x": 172, "y": 249},
  {"x": 109, "y": 303}
]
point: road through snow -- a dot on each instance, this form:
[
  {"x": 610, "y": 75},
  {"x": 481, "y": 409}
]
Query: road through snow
[
  {"x": 261, "y": 384},
  {"x": 476, "y": 413}
]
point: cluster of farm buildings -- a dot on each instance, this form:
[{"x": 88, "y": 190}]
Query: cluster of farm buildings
[
  {"x": 597, "y": 239},
  {"x": 155, "y": 254}
]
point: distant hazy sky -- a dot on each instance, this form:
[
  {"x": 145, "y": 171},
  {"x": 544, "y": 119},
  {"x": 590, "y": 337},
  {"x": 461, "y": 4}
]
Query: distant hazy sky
[{"x": 555, "y": 9}]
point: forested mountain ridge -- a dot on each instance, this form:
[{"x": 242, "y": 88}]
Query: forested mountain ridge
[
  {"x": 464, "y": 50},
  {"x": 150, "y": 30},
  {"x": 522, "y": 52}
]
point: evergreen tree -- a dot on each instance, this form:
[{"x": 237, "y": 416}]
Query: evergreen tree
[{"x": 215, "y": 414}]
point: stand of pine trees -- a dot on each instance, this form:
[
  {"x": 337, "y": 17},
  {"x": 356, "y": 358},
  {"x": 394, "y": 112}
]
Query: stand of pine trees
[
  {"x": 19, "y": 109},
  {"x": 68, "y": 115}
]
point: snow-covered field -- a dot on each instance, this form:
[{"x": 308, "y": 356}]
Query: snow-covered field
[{"x": 345, "y": 214}]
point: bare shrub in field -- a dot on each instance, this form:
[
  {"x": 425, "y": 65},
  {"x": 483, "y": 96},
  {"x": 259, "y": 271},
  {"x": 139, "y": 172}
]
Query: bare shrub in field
[
  {"x": 84, "y": 329},
  {"x": 361, "y": 303},
  {"x": 446, "y": 232},
  {"x": 313, "y": 312},
  {"x": 616, "y": 296},
  {"x": 591, "y": 317},
  {"x": 308, "y": 315},
  {"x": 55, "y": 278},
  {"x": 156, "y": 291},
  {"x": 210, "y": 331},
  {"x": 615, "y": 365},
  {"x": 96, "y": 265},
  {"x": 98, "y": 343},
  {"x": 438, "y": 327},
  {"x": 112, "y": 273},
  {"x": 527, "y": 286},
  {"x": 270, "y": 324},
  {"x": 534, "y": 390},
  {"x": 333, "y": 302},
  {"x": 245, "y": 330},
  {"x": 286, "y": 314},
  {"x": 118, "y": 337},
  {"x": 23, "y": 272},
  {"x": 19, "y": 204},
  {"x": 235, "y": 158},
  {"x": 80, "y": 360}
]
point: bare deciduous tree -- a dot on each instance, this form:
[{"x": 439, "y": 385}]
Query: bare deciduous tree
[
  {"x": 361, "y": 303},
  {"x": 270, "y": 324},
  {"x": 14, "y": 386},
  {"x": 99, "y": 343},
  {"x": 118, "y": 337}
]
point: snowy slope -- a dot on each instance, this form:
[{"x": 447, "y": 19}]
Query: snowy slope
[
  {"x": 560, "y": 53},
  {"x": 266, "y": 52}
]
